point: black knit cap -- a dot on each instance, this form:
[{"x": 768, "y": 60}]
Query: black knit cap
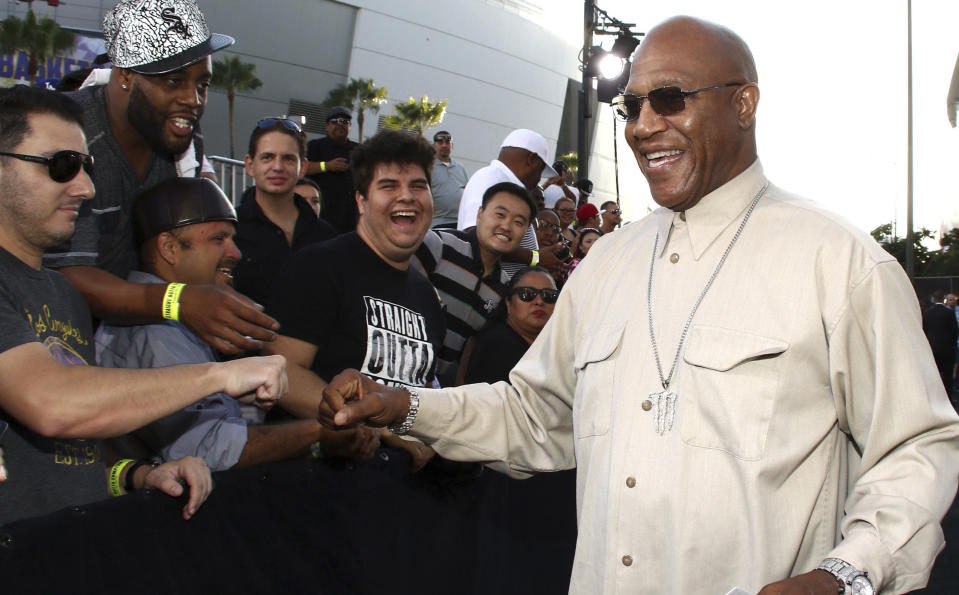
[{"x": 178, "y": 202}]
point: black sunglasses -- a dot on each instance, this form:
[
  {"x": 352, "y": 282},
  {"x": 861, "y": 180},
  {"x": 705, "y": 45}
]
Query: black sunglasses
[
  {"x": 288, "y": 124},
  {"x": 62, "y": 166},
  {"x": 443, "y": 138},
  {"x": 543, "y": 224},
  {"x": 339, "y": 121},
  {"x": 665, "y": 101},
  {"x": 614, "y": 212},
  {"x": 528, "y": 294}
]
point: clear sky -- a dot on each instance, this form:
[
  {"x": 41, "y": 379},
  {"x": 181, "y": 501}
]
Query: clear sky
[{"x": 832, "y": 121}]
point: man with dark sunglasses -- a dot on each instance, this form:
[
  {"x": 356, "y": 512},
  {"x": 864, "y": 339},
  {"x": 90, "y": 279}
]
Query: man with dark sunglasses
[
  {"x": 55, "y": 405},
  {"x": 449, "y": 179},
  {"x": 740, "y": 379},
  {"x": 138, "y": 125},
  {"x": 611, "y": 216},
  {"x": 329, "y": 166},
  {"x": 273, "y": 221}
]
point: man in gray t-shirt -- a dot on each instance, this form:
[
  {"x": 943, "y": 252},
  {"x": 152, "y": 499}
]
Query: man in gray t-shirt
[
  {"x": 449, "y": 179},
  {"x": 136, "y": 124}
]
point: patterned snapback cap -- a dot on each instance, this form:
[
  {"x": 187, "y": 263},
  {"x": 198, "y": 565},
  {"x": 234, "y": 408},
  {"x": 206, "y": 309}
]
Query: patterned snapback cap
[{"x": 159, "y": 36}]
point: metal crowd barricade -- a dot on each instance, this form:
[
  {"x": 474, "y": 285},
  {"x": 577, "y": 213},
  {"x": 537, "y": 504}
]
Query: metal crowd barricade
[{"x": 231, "y": 175}]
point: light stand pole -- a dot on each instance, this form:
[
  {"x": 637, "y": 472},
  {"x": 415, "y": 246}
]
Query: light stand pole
[{"x": 582, "y": 147}]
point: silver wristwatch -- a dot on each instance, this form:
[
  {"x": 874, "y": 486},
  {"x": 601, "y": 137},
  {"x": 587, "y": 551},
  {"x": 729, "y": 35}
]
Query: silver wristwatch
[
  {"x": 404, "y": 427},
  {"x": 853, "y": 580}
]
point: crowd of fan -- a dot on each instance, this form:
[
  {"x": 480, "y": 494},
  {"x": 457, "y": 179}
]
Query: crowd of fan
[{"x": 385, "y": 257}]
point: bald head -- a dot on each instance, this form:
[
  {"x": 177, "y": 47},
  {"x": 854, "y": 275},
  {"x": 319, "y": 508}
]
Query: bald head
[
  {"x": 705, "y": 43},
  {"x": 687, "y": 153}
]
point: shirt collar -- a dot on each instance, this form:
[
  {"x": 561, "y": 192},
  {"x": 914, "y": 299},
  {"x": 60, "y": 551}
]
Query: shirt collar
[{"x": 714, "y": 212}]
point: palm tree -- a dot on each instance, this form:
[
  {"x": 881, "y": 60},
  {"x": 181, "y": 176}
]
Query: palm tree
[
  {"x": 38, "y": 39},
  {"x": 231, "y": 75},
  {"x": 572, "y": 162},
  {"x": 359, "y": 95},
  {"x": 417, "y": 114}
]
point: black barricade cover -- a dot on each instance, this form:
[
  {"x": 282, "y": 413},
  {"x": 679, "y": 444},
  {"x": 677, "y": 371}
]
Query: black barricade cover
[{"x": 310, "y": 527}]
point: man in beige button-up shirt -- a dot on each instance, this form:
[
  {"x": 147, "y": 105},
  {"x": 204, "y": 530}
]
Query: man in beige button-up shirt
[{"x": 807, "y": 419}]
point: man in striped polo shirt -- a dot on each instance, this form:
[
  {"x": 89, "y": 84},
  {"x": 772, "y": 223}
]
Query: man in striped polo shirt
[{"x": 464, "y": 267}]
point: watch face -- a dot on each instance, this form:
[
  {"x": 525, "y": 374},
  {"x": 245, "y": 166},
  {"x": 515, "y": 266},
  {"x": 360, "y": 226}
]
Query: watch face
[{"x": 861, "y": 586}]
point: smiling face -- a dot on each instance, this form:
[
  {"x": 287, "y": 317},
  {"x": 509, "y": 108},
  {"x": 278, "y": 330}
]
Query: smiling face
[
  {"x": 205, "y": 253},
  {"x": 37, "y": 213},
  {"x": 529, "y": 318},
  {"x": 501, "y": 223},
  {"x": 164, "y": 109},
  {"x": 687, "y": 155},
  {"x": 566, "y": 209},
  {"x": 396, "y": 212},
  {"x": 277, "y": 164}
]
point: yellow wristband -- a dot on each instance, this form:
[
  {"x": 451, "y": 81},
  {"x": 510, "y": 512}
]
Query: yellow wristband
[
  {"x": 535, "y": 259},
  {"x": 171, "y": 301},
  {"x": 322, "y": 165},
  {"x": 115, "y": 473}
]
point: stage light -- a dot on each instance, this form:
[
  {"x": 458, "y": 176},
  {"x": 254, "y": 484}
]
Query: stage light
[{"x": 611, "y": 66}]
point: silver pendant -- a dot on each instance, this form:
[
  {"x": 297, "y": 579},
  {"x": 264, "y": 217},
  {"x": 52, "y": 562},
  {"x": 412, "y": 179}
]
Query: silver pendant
[{"x": 664, "y": 405}]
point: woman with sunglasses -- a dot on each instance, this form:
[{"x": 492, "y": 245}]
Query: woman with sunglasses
[
  {"x": 527, "y": 305},
  {"x": 587, "y": 236}
]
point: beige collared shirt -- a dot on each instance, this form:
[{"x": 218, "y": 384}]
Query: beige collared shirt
[{"x": 810, "y": 418}]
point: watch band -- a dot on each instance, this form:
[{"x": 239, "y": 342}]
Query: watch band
[
  {"x": 403, "y": 428},
  {"x": 846, "y": 573}
]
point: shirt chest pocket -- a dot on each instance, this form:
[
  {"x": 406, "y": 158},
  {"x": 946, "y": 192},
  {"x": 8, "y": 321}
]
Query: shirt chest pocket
[
  {"x": 728, "y": 389},
  {"x": 596, "y": 363}
]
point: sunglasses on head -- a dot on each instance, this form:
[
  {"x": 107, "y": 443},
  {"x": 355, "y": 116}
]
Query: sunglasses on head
[
  {"x": 288, "y": 124},
  {"x": 528, "y": 294},
  {"x": 665, "y": 101},
  {"x": 443, "y": 138},
  {"x": 62, "y": 166},
  {"x": 338, "y": 121}
]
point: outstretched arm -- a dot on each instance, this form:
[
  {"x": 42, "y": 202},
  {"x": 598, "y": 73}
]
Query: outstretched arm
[{"x": 107, "y": 402}]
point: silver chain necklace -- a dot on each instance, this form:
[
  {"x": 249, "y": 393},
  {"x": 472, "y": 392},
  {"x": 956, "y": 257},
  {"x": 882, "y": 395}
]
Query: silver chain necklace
[{"x": 665, "y": 401}]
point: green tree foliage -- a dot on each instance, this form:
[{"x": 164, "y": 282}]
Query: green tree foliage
[
  {"x": 417, "y": 114},
  {"x": 928, "y": 263},
  {"x": 39, "y": 39},
  {"x": 231, "y": 75},
  {"x": 359, "y": 95}
]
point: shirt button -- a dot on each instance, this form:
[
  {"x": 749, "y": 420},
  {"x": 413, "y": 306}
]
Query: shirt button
[
  {"x": 630, "y": 482},
  {"x": 647, "y": 405},
  {"x": 674, "y": 258},
  {"x": 682, "y": 215},
  {"x": 627, "y": 560}
]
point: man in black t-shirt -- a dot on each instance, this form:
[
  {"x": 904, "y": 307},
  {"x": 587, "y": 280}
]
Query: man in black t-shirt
[
  {"x": 329, "y": 166},
  {"x": 354, "y": 302},
  {"x": 57, "y": 405}
]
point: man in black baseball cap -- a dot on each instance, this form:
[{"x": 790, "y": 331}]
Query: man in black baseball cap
[
  {"x": 185, "y": 228},
  {"x": 329, "y": 166},
  {"x": 137, "y": 125}
]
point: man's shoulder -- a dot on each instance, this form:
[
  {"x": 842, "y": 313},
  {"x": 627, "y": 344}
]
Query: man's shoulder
[{"x": 814, "y": 226}]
